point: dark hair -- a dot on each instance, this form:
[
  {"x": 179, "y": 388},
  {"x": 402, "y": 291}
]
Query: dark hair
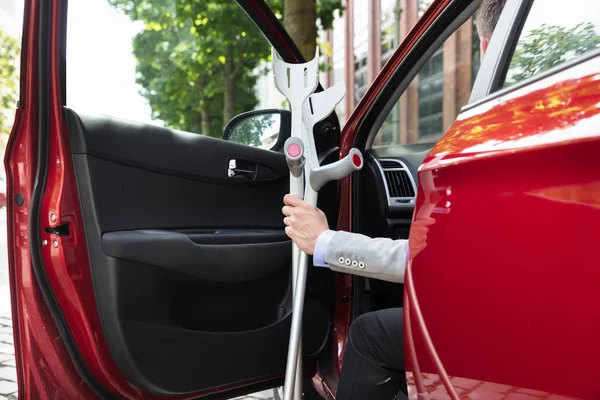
[{"x": 487, "y": 16}]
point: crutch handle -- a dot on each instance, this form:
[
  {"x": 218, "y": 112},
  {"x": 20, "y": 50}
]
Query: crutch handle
[
  {"x": 294, "y": 156},
  {"x": 337, "y": 170}
]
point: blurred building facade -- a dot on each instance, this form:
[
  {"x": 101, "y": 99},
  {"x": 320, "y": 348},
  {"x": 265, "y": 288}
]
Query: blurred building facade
[{"x": 362, "y": 40}]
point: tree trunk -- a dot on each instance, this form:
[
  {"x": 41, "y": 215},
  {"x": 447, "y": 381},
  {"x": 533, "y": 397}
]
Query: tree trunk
[
  {"x": 300, "y": 20},
  {"x": 204, "y": 110},
  {"x": 205, "y": 118},
  {"x": 229, "y": 86}
]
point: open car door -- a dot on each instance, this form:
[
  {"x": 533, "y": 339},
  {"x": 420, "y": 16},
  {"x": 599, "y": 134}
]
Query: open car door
[{"x": 145, "y": 261}]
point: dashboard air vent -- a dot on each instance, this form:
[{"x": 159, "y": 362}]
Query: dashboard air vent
[
  {"x": 387, "y": 164},
  {"x": 399, "y": 183}
]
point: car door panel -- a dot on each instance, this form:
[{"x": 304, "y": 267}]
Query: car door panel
[
  {"x": 191, "y": 268},
  {"x": 221, "y": 262},
  {"x": 167, "y": 151},
  {"x": 203, "y": 310}
]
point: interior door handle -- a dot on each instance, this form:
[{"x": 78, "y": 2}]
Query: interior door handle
[{"x": 241, "y": 169}]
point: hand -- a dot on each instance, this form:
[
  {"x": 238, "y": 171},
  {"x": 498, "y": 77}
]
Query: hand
[
  {"x": 304, "y": 224},
  {"x": 417, "y": 239}
]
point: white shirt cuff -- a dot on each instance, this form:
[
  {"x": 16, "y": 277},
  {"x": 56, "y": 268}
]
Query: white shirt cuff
[{"x": 321, "y": 248}]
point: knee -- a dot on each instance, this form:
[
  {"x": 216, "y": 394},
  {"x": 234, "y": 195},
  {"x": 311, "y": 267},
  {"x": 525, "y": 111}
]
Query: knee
[{"x": 362, "y": 332}]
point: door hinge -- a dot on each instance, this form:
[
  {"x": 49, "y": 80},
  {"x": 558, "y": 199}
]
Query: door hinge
[{"x": 59, "y": 230}]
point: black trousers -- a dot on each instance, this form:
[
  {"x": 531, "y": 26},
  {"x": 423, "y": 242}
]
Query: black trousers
[{"x": 373, "y": 365}]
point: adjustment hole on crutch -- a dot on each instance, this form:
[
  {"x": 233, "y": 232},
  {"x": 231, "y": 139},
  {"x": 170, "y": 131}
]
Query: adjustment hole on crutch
[
  {"x": 288, "y": 76},
  {"x": 311, "y": 106},
  {"x": 305, "y": 77}
]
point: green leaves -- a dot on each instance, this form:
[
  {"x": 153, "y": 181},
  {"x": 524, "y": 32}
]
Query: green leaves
[
  {"x": 548, "y": 46},
  {"x": 198, "y": 60},
  {"x": 181, "y": 57},
  {"x": 326, "y": 12},
  {"x": 9, "y": 81}
]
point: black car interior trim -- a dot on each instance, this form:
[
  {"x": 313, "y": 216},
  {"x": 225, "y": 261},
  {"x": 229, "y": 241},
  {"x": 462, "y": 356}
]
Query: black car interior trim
[
  {"x": 146, "y": 147},
  {"x": 221, "y": 261}
]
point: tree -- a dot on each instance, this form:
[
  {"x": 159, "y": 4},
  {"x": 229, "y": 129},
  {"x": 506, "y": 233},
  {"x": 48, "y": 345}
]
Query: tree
[
  {"x": 197, "y": 61},
  {"x": 548, "y": 46},
  {"x": 300, "y": 20},
  {"x": 9, "y": 81}
]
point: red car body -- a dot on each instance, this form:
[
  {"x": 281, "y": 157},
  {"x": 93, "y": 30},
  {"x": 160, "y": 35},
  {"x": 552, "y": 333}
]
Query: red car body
[
  {"x": 482, "y": 304},
  {"x": 506, "y": 290}
]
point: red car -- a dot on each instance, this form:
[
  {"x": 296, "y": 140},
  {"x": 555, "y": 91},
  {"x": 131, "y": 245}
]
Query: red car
[{"x": 120, "y": 290}]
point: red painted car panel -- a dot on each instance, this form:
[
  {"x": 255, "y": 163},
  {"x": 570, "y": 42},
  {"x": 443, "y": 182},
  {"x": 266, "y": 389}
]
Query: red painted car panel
[{"x": 508, "y": 284}]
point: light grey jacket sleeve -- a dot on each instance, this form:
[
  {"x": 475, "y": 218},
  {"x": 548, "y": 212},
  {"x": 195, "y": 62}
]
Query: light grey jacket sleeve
[{"x": 379, "y": 258}]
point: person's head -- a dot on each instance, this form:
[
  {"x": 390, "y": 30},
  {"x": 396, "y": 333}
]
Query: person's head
[{"x": 486, "y": 20}]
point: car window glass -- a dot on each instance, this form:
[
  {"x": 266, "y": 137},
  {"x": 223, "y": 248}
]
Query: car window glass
[
  {"x": 554, "y": 32},
  {"x": 433, "y": 99},
  {"x": 184, "y": 65}
]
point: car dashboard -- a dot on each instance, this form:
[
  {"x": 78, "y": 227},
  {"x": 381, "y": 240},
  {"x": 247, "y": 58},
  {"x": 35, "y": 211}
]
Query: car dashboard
[
  {"x": 385, "y": 194},
  {"x": 387, "y": 188}
]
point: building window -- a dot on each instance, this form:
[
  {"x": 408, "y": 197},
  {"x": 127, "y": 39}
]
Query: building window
[
  {"x": 431, "y": 97},
  {"x": 390, "y": 35},
  {"x": 390, "y": 28},
  {"x": 419, "y": 115},
  {"x": 339, "y": 59},
  {"x": 361, "y": 48}
]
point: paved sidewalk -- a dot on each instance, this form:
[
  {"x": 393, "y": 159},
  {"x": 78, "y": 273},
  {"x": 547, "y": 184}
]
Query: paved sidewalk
[{"x": 8, "y": 373}]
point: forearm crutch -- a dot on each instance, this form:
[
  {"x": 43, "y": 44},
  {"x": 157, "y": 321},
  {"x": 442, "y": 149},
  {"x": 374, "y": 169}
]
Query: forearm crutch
[
  {"x": 296, "y": 82},
  {"x": 301, "y": 156}
]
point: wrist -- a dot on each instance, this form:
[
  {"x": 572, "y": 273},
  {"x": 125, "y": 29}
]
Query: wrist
[{"x": 321, "y": 247}]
